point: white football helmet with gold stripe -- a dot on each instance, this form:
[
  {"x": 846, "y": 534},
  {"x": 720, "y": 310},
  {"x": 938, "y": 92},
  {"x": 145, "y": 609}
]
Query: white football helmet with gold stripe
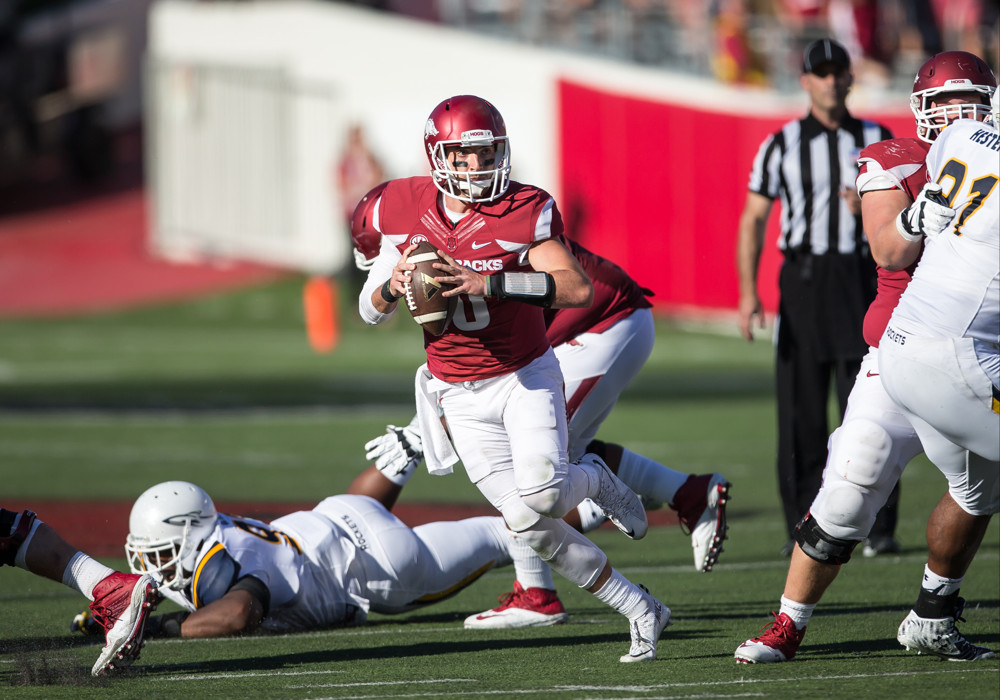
[{"x": 167, "y": 525}]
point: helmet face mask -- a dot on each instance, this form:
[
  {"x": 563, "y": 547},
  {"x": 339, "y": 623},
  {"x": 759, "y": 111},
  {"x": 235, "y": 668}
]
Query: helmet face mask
[
  {"x": 468, "y": 123},
  {"x": 951, "y": 73},
  {"x": 167, "y": 526}
]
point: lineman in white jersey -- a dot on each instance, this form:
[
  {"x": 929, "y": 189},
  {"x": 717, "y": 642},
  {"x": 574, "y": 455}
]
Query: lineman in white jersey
[
  {"x": 941, "y": 357},
  {"x": 942, "y": 344},
  {"x": 310, "y": 569}
]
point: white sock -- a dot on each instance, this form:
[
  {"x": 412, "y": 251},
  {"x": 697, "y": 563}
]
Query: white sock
[
  {"x": 799, "y": 612},
  {"x": 529, "y": 570},
  {"x": 939, "y": 585},
  {"x": 83, "y": 573},
  {"x": 591, "y": 515},
  {"x": 650, "y": 478},
  {"x": 623, "y": 595}
]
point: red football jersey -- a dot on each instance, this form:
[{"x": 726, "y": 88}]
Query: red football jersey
[
  {"x": 486, "y": 338},
  {"x": 616, "y": 296},
  {"x": 903, "y": 159}
]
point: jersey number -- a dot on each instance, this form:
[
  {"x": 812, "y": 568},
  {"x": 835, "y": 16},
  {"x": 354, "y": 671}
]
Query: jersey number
[
  {"x": 471, "y": 313},
  {"x": 980, "y": 189},
  {"x": 267, "y": 534}
]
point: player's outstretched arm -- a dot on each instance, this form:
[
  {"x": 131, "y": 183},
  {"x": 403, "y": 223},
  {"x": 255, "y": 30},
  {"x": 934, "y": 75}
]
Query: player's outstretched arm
[{"x": 237, "y": 612}]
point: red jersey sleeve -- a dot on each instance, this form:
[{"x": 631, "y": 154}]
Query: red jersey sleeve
[{"x": 892, "y": 164}]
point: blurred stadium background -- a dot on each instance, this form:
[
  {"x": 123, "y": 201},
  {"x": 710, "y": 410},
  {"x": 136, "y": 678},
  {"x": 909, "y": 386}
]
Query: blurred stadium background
[{"x": 241, "y": 133}]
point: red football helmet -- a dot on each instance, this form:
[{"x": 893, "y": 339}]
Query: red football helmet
[
  {"x": 467, "y": 120},
  {"x": 363, "y": 234},
  {"x": 951, "y": 71}
]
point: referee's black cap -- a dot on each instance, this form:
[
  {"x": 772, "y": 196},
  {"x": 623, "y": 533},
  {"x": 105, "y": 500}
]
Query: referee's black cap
[{"x": 824, "y": 51}]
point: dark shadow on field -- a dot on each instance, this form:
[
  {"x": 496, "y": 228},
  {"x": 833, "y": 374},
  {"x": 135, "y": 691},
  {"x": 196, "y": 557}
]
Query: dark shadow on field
[
  {"x": 392, "y": 651},
  {"x": 30, "y": 645},
  {"x": 385, "y": 387}
]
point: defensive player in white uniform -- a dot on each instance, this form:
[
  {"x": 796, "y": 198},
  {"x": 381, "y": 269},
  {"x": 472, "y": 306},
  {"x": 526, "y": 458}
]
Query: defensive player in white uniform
[
  {"x": 310, "y": 569},
  {"x": 941, "y": 349},
  {"x": 493, "y": 373},
  {"x": 600, "y": 350},
  {"x": 876, "y": 440},
  {"x": 941, "y": 363}
]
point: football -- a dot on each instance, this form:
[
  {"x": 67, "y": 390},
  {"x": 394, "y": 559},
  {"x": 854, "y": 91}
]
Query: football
[{"x": 424, "y": 300}]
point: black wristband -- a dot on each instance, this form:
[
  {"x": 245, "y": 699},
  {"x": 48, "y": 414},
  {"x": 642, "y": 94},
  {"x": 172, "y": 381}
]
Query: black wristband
[
  {"x": 535, "y": 288},
  {"x": 386, "y": 294}
]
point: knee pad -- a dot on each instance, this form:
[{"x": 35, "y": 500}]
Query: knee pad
[
  {"x": 11, "y": 540},
  {"x": 518, "y": 516},
  {"x": 860, "y": 451},
  {"x": 820, "y": 546},
  {"x": 547, "y": 502},
  {"x": 846, "y": 510}
]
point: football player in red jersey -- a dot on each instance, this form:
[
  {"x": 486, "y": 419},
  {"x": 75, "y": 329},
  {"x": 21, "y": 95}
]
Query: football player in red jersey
[
  {"x": 120, "y": 603},
  {"x": 493, "y": 374},
  {"x": 600, "y": 350},
  {"x": 875, "y": 441}
]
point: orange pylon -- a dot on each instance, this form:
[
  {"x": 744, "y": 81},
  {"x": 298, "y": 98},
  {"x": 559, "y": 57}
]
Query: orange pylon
[{"x": 320, "y": 301}]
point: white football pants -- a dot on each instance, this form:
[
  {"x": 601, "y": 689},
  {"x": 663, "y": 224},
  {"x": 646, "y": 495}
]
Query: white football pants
[
  {"x": 399, "y": 568},
  {"x": 866, "y": 456},
  {"x": 596, "y": 368},
  {"x": 942, "y": 387},
  {"x": 511, "y": 435}
]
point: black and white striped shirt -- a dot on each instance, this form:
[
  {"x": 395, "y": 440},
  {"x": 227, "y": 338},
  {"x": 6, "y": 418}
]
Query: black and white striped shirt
[{"x": 806, "y": 165}]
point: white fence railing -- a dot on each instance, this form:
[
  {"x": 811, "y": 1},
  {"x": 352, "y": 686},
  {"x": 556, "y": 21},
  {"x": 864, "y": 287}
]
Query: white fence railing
[{"x": 238, "y": 157}]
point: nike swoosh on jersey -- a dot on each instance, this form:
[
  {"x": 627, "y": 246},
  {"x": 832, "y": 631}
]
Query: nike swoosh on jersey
[
  {"x": 872, "y": 374},
  {"x": 477, "y": 246}
]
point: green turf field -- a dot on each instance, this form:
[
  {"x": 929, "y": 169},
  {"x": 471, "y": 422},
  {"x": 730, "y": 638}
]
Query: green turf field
[{"x": 226, "y": 393}]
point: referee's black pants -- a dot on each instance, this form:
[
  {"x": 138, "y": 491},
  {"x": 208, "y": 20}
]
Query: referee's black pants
[{"x": 803, "y": 391}]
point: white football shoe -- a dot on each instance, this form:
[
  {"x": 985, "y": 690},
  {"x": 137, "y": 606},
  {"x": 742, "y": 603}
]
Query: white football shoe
[
  {"x": 645, "y": 631},
  {"x": 940, "y": 637},
  {"x": 618, "y": 501}
]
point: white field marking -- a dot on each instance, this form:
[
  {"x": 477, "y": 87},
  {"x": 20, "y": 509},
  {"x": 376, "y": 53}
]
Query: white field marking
[
  {"x": 547, "y": 691},
  {"x": 248, "y": 674},
  {"x": 752, "y": 681},
  {"x": 384, "y": 683},
  {"x": 662, "y": 686}
]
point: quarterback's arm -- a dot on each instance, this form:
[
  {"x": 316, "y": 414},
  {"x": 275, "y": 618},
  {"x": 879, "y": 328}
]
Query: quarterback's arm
[
  {"x": 879, "y": 209},
  {"x": 749, "y": 245},
  {"x": 372, "y": 304},
  {"x": 573, "y": 287}
]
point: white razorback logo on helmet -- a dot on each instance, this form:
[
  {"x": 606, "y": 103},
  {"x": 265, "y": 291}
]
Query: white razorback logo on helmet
[{"x": 430, "y": 129}]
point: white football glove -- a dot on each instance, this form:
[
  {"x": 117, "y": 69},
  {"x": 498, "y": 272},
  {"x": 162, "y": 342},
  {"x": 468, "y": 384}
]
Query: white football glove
[
  {"x": 399, "y": 450},
  {"x": 929, "y": 215}
]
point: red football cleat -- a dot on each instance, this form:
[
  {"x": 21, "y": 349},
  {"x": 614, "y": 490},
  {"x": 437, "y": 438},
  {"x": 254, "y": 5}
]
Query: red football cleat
[
  {"x": 122, "y": 605},
  {"x": 524, "y": 607}
]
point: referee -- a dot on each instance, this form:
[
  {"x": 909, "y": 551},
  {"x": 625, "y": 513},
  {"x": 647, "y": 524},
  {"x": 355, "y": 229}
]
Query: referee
[{"x": 827, "y": 279}]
